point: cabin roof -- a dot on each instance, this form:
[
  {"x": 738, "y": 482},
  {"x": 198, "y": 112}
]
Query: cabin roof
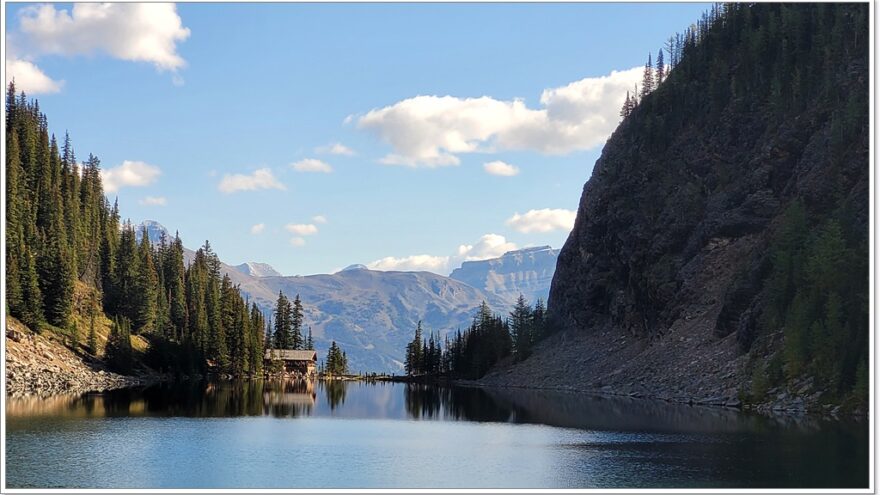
[{"x": 291, "y": 355}]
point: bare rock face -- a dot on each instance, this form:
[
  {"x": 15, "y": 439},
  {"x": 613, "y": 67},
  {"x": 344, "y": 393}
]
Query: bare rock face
[
  {"x": 661, "y": 282},
  {"x": 37, "y": 365}
]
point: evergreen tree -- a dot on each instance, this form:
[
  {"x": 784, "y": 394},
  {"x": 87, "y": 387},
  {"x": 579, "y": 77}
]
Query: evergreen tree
[
  {"x": 413, "y": 360},
  {"x": 521, "y": 328},
  {"x": 145, "y": 288},
  {"x": 282, "y": 338},
  {"x": 93, "y": 334},
  {"x": 647, "y": 79},
  {"x": 296, "y": 322},
  {"x": 661, "y": 69},
  {"x": 310, "y": 344},
  {"x": 337, "y": 361},
  {"x": 118, "y": 350}
]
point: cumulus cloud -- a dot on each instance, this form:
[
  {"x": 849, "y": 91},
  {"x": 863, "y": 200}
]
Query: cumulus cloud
[
  {"x": 297, "y": 242},
  {"x": 258, "y": 228},
  {"x": 129, "y": 174},
  {"x": 301, "y": 228},
  {"x": 545, "y": 220},
  {"x": 335, "y": 149},
  {"x": 139, "y": 32},
  {"x": 488, "y": 246},
  {"x": 312, "y": 165},
  {"x": 500, "y": 168},
  {"x": 431, "y": 131},
  {"x": 260, "y": 179},
  {"x": 319, "y": 219},
  {"x": 153, "y": 201},
  {"x": 415, "y": 263},
  {"x": 30, "y": 78}
]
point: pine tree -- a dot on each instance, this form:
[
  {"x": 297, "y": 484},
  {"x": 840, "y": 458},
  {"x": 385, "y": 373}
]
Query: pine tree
[
  {"x": 31, "y": 313},
  {"x": 145, "y": 287},
  {"x": 661, "y": 68},
  {"x": 521, "y": 328},
  {"x": 310, "y": 344},
  {"x": 93, "y": 335},
  {"x": 413, "y": 361},
  {"x": 296, "y": 321},
  {"x": 118, "y": 350},
  {"x": 627, "y": 108},
  {"x": 647, "y": 79},
  {"x": 282, "y": 336}
]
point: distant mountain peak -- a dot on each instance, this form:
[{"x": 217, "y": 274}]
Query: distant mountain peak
[
  {"x": 351, "y": 268},
  {"x": 258, "y": 270},
  {"x": 154, "y": 231},
  {"x": 526, "y": 271}
]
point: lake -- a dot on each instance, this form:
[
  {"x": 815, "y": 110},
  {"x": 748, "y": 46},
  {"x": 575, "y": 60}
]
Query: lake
[{"x": 274, "y": 434}]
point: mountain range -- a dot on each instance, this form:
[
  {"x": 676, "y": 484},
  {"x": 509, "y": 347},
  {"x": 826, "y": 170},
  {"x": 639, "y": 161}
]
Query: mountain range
[{"x": 373, "y": 314}]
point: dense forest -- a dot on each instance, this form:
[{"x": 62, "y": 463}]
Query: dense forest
[
  {"x": 70, "y": 259},
  {"x": 489, "y": 339},
  {"x": 752, "y": 132},
  {"x": 817, "y": 279}
]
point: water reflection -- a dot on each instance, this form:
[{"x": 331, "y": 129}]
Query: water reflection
[
  {"x": 335, "y": 392},
  {"x": 381, "y": 400},
  {"x": 607, "y": 442},
  {"x": 455, "y": 403}
]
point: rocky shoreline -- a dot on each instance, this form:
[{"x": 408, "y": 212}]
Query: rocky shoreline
[
  {"x": 37, "y": 365},
  {"x": 610, "y": 364}
]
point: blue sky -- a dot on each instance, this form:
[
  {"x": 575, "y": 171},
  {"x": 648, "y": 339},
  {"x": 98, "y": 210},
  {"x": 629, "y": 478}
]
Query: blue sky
[{"x": 207, "y": 107}]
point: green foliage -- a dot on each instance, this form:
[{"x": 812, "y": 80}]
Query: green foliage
[
  {"x": 520, "y": 322},
  {"x": 470, "y": 354},
  {"x": 60, "y": 228},
  {"x": 337, "y": 361},
  {"x": 816, "y": 288},
  {"x": 93, "y": 335},
  {"x": 118, "y": 352}
]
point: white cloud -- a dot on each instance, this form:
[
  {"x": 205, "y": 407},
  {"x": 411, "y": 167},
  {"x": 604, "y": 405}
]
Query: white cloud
[
  {"x": 153, "y": 201},
  {"x": 258, "y": 228},
  {"x": 319, "y": 219},
  {"x": 500, "y": 168},
  {"x": 29, "y": 78},
  {"x": 431, "y": 130},
  {"x": 335, "y": 149},
  {"x": 301, "y": 228},
  {"x": 140, "y": 32},
  {"x": 544, "y": 220},
  {"x": 297, "y": 242},
  {"x": 260, "y": 179},
  {"x": 129, "y": 174},
  {"x": 488, "y": 246},
  {"x": 416, "y": 263},
  {"x": 312, "y": 165}
]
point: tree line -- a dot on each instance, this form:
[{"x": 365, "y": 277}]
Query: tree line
[
  {"x": 64, "y": 239},
  {"x": 489, "y": 339}
]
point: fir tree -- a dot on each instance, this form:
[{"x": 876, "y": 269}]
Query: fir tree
[
  {"x": 521, "y": 328},
  {"x": 661, "y": 69},
  {"x": 647, "y": 79},
  {"x": 93, "y": 334}
]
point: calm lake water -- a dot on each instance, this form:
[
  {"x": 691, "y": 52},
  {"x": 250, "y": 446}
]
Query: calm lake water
[{"x": 387, "y": 435}]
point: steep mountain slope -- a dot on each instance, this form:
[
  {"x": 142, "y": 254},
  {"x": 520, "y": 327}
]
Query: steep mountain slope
[
  {"x": 720, "y": 247},
  {"x": 525, "y": 271}
]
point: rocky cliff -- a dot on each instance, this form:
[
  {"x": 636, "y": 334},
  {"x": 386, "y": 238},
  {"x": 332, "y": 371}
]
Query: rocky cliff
[
  {"x": 525, "y": 271},
  {"x": 676, "y": 281}
]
